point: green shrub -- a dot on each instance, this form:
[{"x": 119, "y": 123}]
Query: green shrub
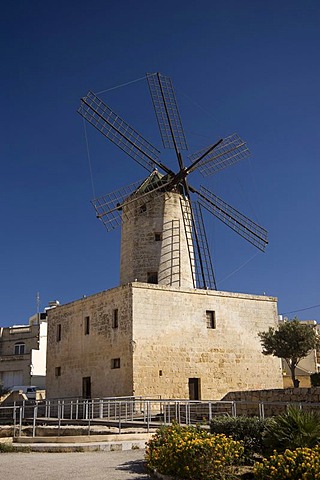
[
  {"x": 192, "y": 453},
  {"x": 248, "y": 430},
  {"x": 3, "y": 390},
  {"x": 300, "y": 464},
  {"x": 292, "y": 430},
  {"x": 315, "y": 379},
  {"x": 6, "y": 447}
]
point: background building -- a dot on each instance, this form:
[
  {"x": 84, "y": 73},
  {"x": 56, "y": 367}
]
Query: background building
[{"x": 23, "y": 353}]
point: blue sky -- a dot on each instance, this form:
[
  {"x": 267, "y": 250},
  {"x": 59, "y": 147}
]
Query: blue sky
[{"x": 249, "y": 67}]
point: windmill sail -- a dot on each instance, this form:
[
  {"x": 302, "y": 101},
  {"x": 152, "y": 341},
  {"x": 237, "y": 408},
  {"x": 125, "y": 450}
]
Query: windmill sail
[
  {"x": 199, "y": 254},
  {"x": 108, "y": 207},
  {"x": 118, "y": 131},
  {"x": 238, "y": 222},
  {"x": 230, "y": 151},
  {"x": 167, "y": 113},
  {"x": 205, "y": 277}
]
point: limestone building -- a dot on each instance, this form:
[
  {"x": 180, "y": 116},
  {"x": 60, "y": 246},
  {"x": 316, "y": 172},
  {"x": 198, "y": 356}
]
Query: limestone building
[
  {"x": 23, "y": 353},
  {"x": 140, "y": 339},
  {"x": 164, "y": 331}
]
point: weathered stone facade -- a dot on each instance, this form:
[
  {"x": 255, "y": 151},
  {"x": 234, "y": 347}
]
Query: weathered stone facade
[
  {"x": 154, "y": 242},
  {"x": 152, "y": 340}
]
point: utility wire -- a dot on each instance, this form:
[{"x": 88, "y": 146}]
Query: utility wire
[
  {"x": 300, "y": 310},
  {"x": 89, "y": 158},
  {"x": 121, "y": 85},
  {"x": 241, "y": 266}
]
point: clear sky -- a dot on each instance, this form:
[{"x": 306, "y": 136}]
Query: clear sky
[{"x": 242, "y": 66}]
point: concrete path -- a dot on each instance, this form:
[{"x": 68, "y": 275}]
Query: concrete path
[{"x": 117, "y": 465}]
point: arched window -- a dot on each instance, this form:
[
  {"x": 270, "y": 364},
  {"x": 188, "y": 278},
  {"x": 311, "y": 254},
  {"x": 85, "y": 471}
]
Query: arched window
[{"x": 19, "y": 348}]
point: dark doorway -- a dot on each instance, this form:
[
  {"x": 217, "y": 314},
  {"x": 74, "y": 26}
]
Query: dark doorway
[
  {"x": 86, "y": 387},
  {"x": 194, "y": 388}
]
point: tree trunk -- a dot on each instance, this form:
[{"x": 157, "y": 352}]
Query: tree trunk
[
  {"x": 292, "y": 367},
  {"x": 295, "y": 381}
]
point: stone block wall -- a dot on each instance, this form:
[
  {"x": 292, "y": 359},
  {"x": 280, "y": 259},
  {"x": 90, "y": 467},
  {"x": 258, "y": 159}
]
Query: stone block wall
[
  {"x": 172, "y": 342},
  {"x": 274, "y": 400},
  {"x": 79, "y": 354}
]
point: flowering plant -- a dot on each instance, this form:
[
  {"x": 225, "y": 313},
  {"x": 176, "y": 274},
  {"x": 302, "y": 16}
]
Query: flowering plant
[
  {"x": 299, "y": 464},
  {"x": 192, "y": 453}
]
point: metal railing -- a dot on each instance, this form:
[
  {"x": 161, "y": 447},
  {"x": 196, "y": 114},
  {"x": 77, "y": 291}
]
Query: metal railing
[{"x": 140, "y": 412}]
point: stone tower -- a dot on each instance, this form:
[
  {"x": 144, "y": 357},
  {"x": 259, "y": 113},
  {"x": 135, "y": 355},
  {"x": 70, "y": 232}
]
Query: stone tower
[{"x": 156, "y": 243}]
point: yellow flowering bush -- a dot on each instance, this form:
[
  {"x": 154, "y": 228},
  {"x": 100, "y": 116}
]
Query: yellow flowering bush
[
  {"x": 299, "y": 464},
  {"x": 192, "y": 453}
]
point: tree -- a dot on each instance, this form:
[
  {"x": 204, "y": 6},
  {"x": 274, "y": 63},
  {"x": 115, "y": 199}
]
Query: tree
[{"x": 292, "y": 341}]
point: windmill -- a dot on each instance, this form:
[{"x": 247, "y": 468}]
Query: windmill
[{"x": 163, "y": 234}]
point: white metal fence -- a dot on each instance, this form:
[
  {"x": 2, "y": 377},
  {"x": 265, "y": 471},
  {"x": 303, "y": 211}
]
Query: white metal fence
[{"x": 140, "y": 412}]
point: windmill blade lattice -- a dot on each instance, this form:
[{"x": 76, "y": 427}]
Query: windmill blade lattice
[
  {"x": 111, "y": 125},
  {"x": 167, "y": 113},
  {"x": 246, "y": 228},
  {"x": 205, "y": 277},
  {"x": 108, "y": 207},
  {"x": 230, "y": 151},
  {"x": 197, "y": 243}
]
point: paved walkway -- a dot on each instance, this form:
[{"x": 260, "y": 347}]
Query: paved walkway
[{"x": 117, "y": 465}]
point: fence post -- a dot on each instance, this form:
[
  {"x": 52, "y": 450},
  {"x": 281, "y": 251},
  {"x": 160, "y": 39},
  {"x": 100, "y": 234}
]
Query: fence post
[
  {"x": 89, "y": 418},
  {"x": 59, "y": 417},
  {"x": 261, "y": 410},
  {"x": 144, "y": 410},
  {"x": 20, "y": 421},
  {"x": 234, "y": 409},
  {"x": 35, "y": 412},
  {"x": 14, "y": 419},
  {"x": 119, "y": 417},
  {"x": 210, "y": 412},
  {"x": 148, "y": 419}
]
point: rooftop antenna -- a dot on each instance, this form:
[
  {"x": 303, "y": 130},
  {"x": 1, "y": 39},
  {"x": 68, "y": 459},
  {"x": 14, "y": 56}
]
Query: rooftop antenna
[{"x": 38, "y": 305}]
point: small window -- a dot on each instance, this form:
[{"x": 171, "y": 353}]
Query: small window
[
  {"x": 143, "y": 208},
  {"x": 86, "y": 325},
  {"x": 211, "y": 319},
  {"x": 115, "y": 318},
  {"x": 59, "y": 332},
  {"x": 19, "y": 348},
  {"x": 115, "y": 363},
  {"x": 152, "y": 277},
  {"x": 57, "y": 371},
  {"x": 157, "y": 236}
]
